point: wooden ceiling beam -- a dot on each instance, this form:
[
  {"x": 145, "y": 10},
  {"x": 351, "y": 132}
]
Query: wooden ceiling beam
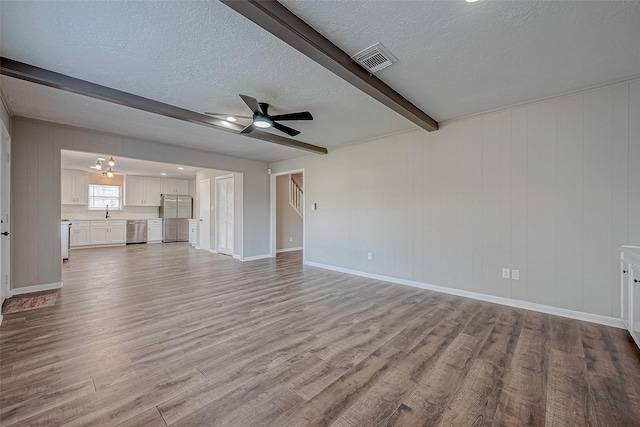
[
  {"x": 284, "y": 24},
  {"x": 45, "y": 77}
]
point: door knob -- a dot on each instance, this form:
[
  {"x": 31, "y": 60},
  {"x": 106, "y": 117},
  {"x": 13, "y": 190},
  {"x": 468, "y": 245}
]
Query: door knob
[{"x": 6, "y": 233}]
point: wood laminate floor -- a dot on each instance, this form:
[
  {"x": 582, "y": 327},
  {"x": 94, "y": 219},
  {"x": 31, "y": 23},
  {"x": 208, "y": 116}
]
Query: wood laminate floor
[{"x": 155, "y": 335}]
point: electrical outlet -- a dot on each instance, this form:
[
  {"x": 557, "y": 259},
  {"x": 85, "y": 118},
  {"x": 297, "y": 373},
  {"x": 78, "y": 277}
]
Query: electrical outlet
[
  {"x": 368, "y": 255},
  {"x": 291, "y": 239},
  {"x": 505, "y": 273},
  {"x": 515, "y": 274}
]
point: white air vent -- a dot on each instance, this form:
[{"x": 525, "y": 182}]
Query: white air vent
[{"x": 374, "y": 58}]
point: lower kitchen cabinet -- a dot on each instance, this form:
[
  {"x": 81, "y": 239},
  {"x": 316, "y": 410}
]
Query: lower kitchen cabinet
[
  {"x": 193, "y": 232},
  {"x": 80, "y": 233},
  {"x": 630, "y": 290},
  {"x": 108, "y": 232},
  {"x": 154, "y": 231}
]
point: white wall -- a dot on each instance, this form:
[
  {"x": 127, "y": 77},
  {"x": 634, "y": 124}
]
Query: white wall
[
  {"x": 35, "y": 186},
  {"x": 288, "y": 222},
  {"x": 551, "y": 188}
]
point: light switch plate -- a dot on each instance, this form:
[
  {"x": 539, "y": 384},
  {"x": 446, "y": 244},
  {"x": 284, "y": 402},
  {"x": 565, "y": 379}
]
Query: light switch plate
[
  {"x": 505, "y": 273},
  {"x": 515, "y": 274}
]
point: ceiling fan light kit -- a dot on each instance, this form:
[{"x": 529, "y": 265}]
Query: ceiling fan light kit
[
  {"x": 262, "y": 119},
  {"x": 261, "y": 123}
]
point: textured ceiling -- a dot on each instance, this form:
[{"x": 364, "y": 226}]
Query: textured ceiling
[
  {"x": 40, "y": 102},
  {"x": 455, "y": 59},
  {"x": 193, "y": 54},
  {"x": 458, "y": 58}
]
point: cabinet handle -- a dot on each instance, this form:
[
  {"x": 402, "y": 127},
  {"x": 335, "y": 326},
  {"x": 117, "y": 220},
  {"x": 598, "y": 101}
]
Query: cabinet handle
[
  {"x": 636, "y": 280},
  {"x": 624, "y": 271}
]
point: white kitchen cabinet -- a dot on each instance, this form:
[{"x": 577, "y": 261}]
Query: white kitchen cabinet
[
  {"x": 630, "y": 290},
  {"x": 108, "y": 232},
  {"x": 74, "y": 187},
  {"x": 182, "y": 186},
  {"x": 141, "y": 191},
  {"x": 117, "y": 232},
  {"x": 624, "y": 292},
  {"x": 193, "y": 232},
  {"x": 174, "y": 186},
  {"x": 80, "y": 233},
  {"x": 152, "y": 191},
  {"x": 154, "y": 231}
]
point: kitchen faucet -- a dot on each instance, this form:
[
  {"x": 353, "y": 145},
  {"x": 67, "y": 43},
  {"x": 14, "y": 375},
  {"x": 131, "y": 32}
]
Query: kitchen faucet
[{"x": 106, "y": 215}]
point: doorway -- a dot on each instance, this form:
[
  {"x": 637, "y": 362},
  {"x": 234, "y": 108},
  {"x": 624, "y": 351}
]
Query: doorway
[
  {"x": 224, "y": 214},
  {"x": 204, "y": 241},
  {"x": 287, "y": 212},
  {"x": 5, "y": 238}
]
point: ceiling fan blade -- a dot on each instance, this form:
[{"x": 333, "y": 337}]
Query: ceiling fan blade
[
  {"x": 227, "y": 115},
  {"x": 286, "y": 129},
  {"x": 305, "y": 115},
  {"x": 248, "y": 129},
  {"x": 252, "y": 103}
]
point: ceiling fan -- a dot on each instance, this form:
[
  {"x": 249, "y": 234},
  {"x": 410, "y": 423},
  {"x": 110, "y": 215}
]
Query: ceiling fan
[{"x": 262, "y": 119}]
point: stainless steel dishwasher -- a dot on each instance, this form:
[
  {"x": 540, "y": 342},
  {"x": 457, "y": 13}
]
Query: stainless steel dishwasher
[{"x": 137, "y": 231}]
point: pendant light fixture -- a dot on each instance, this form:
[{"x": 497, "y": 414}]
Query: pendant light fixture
[{"x": 109, "y": 173}]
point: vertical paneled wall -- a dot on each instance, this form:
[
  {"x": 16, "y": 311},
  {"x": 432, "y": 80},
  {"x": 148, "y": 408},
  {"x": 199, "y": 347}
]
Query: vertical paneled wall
[{"x": 551, "y": 189}]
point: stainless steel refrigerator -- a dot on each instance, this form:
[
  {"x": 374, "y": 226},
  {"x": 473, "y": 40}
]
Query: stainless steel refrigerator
[{"x": 175, "y": 210}]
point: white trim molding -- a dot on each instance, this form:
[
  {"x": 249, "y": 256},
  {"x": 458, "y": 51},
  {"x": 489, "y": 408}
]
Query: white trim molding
[
  {"x": 299, "y": 248},
  {"x": 256, "y": 257},
  {"x": 563, "y": 312},
  {"x": 237, "y": 256},
  {"x": 35, "y": 288}
]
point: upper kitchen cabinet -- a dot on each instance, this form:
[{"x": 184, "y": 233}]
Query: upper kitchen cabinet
[
  {"x": 141, "y": 191},
  {"x": 174, "y": 186},
  {"x": 75, "y": 190}
]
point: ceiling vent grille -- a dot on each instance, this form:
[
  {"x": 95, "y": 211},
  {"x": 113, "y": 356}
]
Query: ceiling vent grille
[{"x": 374, "y": 58}]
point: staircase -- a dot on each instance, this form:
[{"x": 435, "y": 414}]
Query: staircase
[{"x": 295, "y": 196}]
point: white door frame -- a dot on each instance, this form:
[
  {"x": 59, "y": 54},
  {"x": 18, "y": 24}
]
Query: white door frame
[
  {"x": 272, "y": 194},
  {"x": 233, "y": 187},
  {"x": 199, "y": 246},
  {"x": 5, "y": 150}
]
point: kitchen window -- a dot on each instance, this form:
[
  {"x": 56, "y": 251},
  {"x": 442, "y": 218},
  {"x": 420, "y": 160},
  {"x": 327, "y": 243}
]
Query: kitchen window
[{"x": 101, "y": 196}]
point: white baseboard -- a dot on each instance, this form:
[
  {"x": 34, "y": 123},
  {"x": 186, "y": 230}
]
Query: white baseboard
[
  {"x": 563, "y": 312},
  {"x": 256, "y": 257},
  {"x": 238, "y": 257},
  {"x": 35, "y": 288},
  {"x": 213, "y": 251},
  {"x": 289, "y": 249},
  {"x": 0, "y": 319}
]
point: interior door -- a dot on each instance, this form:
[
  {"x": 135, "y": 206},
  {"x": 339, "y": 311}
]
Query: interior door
[
  {"x": 224, "y": 208},
  {"x": 204, "y": 201},
  {"x": 5, "y": 237}
]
